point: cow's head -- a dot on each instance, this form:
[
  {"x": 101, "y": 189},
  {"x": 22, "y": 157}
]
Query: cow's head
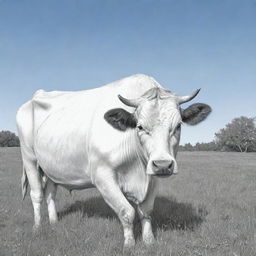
[{"x": 157, "y": 120}]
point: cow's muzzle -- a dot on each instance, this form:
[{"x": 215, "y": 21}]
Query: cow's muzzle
[{"x": 163, "y": 168}]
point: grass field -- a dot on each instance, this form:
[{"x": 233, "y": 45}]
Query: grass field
[{"x": 208, "y": 209}]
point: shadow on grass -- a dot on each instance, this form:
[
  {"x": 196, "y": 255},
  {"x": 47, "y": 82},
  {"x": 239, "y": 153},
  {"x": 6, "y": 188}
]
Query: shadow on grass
[{"x": 168, "y": 214}]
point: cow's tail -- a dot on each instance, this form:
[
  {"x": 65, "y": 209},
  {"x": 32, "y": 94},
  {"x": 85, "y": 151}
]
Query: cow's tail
[{"x": 24, "y": 183}]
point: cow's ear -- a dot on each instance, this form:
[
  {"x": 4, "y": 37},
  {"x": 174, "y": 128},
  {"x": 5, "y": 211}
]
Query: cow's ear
[
  {"x": 195, "y": 113},
  {"x": 120, "y": 119}
]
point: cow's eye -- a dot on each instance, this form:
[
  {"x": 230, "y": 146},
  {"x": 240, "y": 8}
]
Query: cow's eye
[
  {"x": 178, "y": 126},
  {"x": 177, "y": 129},
  {"x": 140, "y": 127}
]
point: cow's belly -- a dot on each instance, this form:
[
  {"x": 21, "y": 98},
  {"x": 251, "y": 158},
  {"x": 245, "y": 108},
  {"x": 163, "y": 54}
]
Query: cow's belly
[
  {"x": 68, "y": 167},
  {"x": 69, "y": 178},
  {"x": 66, "y": 170}
]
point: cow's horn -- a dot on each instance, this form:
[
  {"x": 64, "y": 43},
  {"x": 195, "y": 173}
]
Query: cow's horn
[
  {"x": 183, "y": 99},
  {"x": 129, "y": 102}
]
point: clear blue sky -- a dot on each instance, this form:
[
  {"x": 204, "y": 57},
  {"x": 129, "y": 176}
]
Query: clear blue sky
[{"x": 183, "y": 44}]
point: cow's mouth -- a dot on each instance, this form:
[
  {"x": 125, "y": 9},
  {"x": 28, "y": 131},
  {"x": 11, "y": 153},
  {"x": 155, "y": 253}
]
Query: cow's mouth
[{"x": 165, "y": 173}]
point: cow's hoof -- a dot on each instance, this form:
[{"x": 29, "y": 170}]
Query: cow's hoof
[
  {"x": 128, "y": 249},
  {"x": 35, "y": 229},
  {"x": 149, "y": 240},
  {"x": 53, "y": 222},
  {"x": 129, "y": 243}
]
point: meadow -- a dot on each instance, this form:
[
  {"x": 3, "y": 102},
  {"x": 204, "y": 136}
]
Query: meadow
[{"x": 208, "y": 209}]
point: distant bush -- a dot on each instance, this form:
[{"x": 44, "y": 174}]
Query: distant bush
[
  {"x": 9, "y": 139},
  {"x": 187, "y": 147},
  {"x": 208, "y": 146}
]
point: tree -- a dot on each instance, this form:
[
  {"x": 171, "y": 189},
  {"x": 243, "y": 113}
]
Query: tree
[
  {"x": 9, "y": 139},
  {"x": 239, "y": 135}
]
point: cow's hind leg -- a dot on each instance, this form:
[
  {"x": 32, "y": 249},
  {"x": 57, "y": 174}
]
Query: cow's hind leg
[
  {"x": 36, "y": 190},
  {"x": 108, "y": 187},
  {"x": 50, "y": 194}
]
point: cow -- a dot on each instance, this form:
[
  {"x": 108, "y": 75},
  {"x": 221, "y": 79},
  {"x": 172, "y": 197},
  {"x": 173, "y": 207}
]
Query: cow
[{"x": 121, "y": 138}]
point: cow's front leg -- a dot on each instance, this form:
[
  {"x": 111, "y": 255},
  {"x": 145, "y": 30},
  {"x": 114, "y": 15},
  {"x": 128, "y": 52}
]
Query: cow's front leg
[
  {"x": 147, "y": 233},
  {"x": 105, "y": 181},
  {"x": 144, "y": 210}
]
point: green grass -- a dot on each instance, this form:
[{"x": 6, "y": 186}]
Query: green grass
[{"x": 208, "y": 209}]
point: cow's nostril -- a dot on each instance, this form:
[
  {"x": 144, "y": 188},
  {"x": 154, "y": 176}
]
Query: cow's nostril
[
  {"x": 155, "y": 164},
  {"x": 170, "y": 165},
  {"x": 162, "y": 164}
]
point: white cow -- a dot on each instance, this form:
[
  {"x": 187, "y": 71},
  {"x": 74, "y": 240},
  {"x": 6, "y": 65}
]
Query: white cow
[{"x": 121, "y": 145}]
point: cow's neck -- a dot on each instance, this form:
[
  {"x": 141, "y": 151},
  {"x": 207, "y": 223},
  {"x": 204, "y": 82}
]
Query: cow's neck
[{"x": 132, "y": 177}]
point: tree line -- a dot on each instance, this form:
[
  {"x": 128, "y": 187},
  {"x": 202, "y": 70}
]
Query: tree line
[{"x": 238, "y": 135}]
